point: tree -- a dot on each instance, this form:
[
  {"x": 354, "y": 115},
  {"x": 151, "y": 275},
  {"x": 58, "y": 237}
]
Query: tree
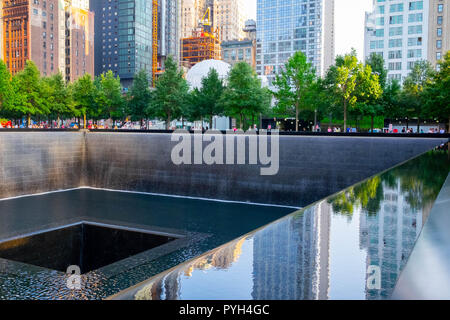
[
  {"x": 58, "y": 96},
  {"x": 437, "y": 92},
  {"x": 353, "y": 81},
  {"x": 171, "y": 96},
  {"x": 391, "y": 96},
  {"x": 82, "y": 93},
  {"x": 139, "y": 96},
  {"x": 28, "y": 91},
  {"x": 207, "y": 99},
  {"x": 292, "y": 85},
  {"x": 377, "y": 63},
  {"x": 6, "y": 88},
  {"x": 244, "y": 96},
  {"x": 112, "y": 96},
  {"x": 373, "y": 106},
  {"x": 413, "y": 87}
]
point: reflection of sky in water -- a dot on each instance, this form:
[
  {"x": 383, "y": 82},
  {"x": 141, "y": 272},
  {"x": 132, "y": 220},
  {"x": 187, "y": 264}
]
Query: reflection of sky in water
[{"x": 347, "y": 259}]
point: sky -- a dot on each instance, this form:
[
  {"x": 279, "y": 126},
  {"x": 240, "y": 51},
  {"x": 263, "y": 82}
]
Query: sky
[{"x": 350, "y": 16}]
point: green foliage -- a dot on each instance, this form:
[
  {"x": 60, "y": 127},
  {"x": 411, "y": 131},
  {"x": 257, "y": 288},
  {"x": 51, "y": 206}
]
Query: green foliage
[
  {"x": 436, "y": 94},
  {"x": 82, "y": 91},
  {"x": 112, "y": 97},
  {"x": 351, "y": 81},
  {"x": 139, "y": 96},
  {"x": 6, "y": 89},
  {"x": 57, "y": 96},
  {"x": 29, "y": 92},
  {"x": 206, "y": 100},
  {"x": 171, "y": 97},
  {"x": 294, "y": 85},
  {"x": 244, "y": 98}
]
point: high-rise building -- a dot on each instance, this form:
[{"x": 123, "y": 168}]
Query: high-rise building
[
  {"x": 124, "y": 37},
  {"x": 76, "y": 42},
  {"x": 1, "y": 30},
  {"x": 192, "y": 12},
  {"x": 439, "y": 30},
  {"x": 229, "y": 19},
  {"x": 285, "y": 27},
  {"x": 406, "y": 31},
  {"x": 56, "y": 35}
]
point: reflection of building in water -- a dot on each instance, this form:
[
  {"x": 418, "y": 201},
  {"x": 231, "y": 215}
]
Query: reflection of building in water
[
  {"x": 389, "y": 237},
  {"x": 291, "y": 258},
  {"x": 167, "y": 288}
]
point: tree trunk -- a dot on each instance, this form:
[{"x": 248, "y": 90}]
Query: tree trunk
[
  {"x": 449, "y": 128},
  {"x": 168, "y": 121},
  {"x": 240, "y": 122},
  {"x": 372, "y": 121},
  {"x": 418, "y": 124},
  {"x": 211, "y": 121},
  {"x": 29, "y": 120},
  {"x": 345, "y": 115},
  {"x": 296, "y": 117}
]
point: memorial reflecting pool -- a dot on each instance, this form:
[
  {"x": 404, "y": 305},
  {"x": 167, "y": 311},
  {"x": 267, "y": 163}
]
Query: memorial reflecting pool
[
  {"x": 326, "y": 251},
  {"x": 321, "y": 252}
]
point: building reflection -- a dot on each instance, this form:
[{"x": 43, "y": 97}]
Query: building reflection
[{"x": 291, "y": 258}]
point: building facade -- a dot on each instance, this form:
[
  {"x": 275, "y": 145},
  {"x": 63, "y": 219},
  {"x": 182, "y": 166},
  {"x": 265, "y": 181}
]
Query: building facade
[
  {"x": 229, "y": 19},
  {"x": 406, "y": 31},
  {"x": 243, "y": 50},
  {"x": 56, "y": 35},
  {"x": 439, "y": 30},
  {"x": 285, "y": 27},
  {"x": 192, "y": 12},
  {"x": 124, "y": 41},
  {"x": 76, "y": 44}
]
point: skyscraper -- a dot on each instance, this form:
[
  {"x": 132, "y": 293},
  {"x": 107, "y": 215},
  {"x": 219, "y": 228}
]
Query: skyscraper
[
  {"x": 405, "y": 31},
  {"x": 124, "y": 36},
  {"x": 192, "y": 12},
  {"x": 285, "y": 27},
  {"x": 229, "y": 19},
  {"x": 76, "y": 39},
  {"x": 55, "y": 35}
]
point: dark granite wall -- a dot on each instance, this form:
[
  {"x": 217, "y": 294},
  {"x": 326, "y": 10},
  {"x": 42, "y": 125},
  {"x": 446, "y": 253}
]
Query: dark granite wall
[
  {"x": 311, "y": 168},
  {"x": 35, "y": 162}
]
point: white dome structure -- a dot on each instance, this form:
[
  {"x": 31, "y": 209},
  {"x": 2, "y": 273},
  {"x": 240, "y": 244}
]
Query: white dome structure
[{"x": 200, "y": 70}]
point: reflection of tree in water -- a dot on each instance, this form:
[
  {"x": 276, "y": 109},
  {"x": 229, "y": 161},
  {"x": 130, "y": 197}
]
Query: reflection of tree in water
[
  {"x": 367, "y": 195},
  {"x": 420, "y": 180}
]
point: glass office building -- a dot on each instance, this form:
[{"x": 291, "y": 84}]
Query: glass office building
[
  {"x": 123, "y": 34},
  {"x": 287, "y": 26}
]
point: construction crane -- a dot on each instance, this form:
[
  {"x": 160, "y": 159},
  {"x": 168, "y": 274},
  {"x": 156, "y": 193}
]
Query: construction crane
[
  {"x": 206, "y": 20},
  {"x": 155, "y": 42}
]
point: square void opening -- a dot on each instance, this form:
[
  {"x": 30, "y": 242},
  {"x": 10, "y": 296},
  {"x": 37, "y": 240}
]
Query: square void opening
[{"x": 86, "y": 245}]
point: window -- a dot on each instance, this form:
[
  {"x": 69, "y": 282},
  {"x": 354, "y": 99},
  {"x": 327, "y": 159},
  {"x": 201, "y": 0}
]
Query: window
[
  {"x": 440, "y": 8},
  {"x": 439, "y": 44}
]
